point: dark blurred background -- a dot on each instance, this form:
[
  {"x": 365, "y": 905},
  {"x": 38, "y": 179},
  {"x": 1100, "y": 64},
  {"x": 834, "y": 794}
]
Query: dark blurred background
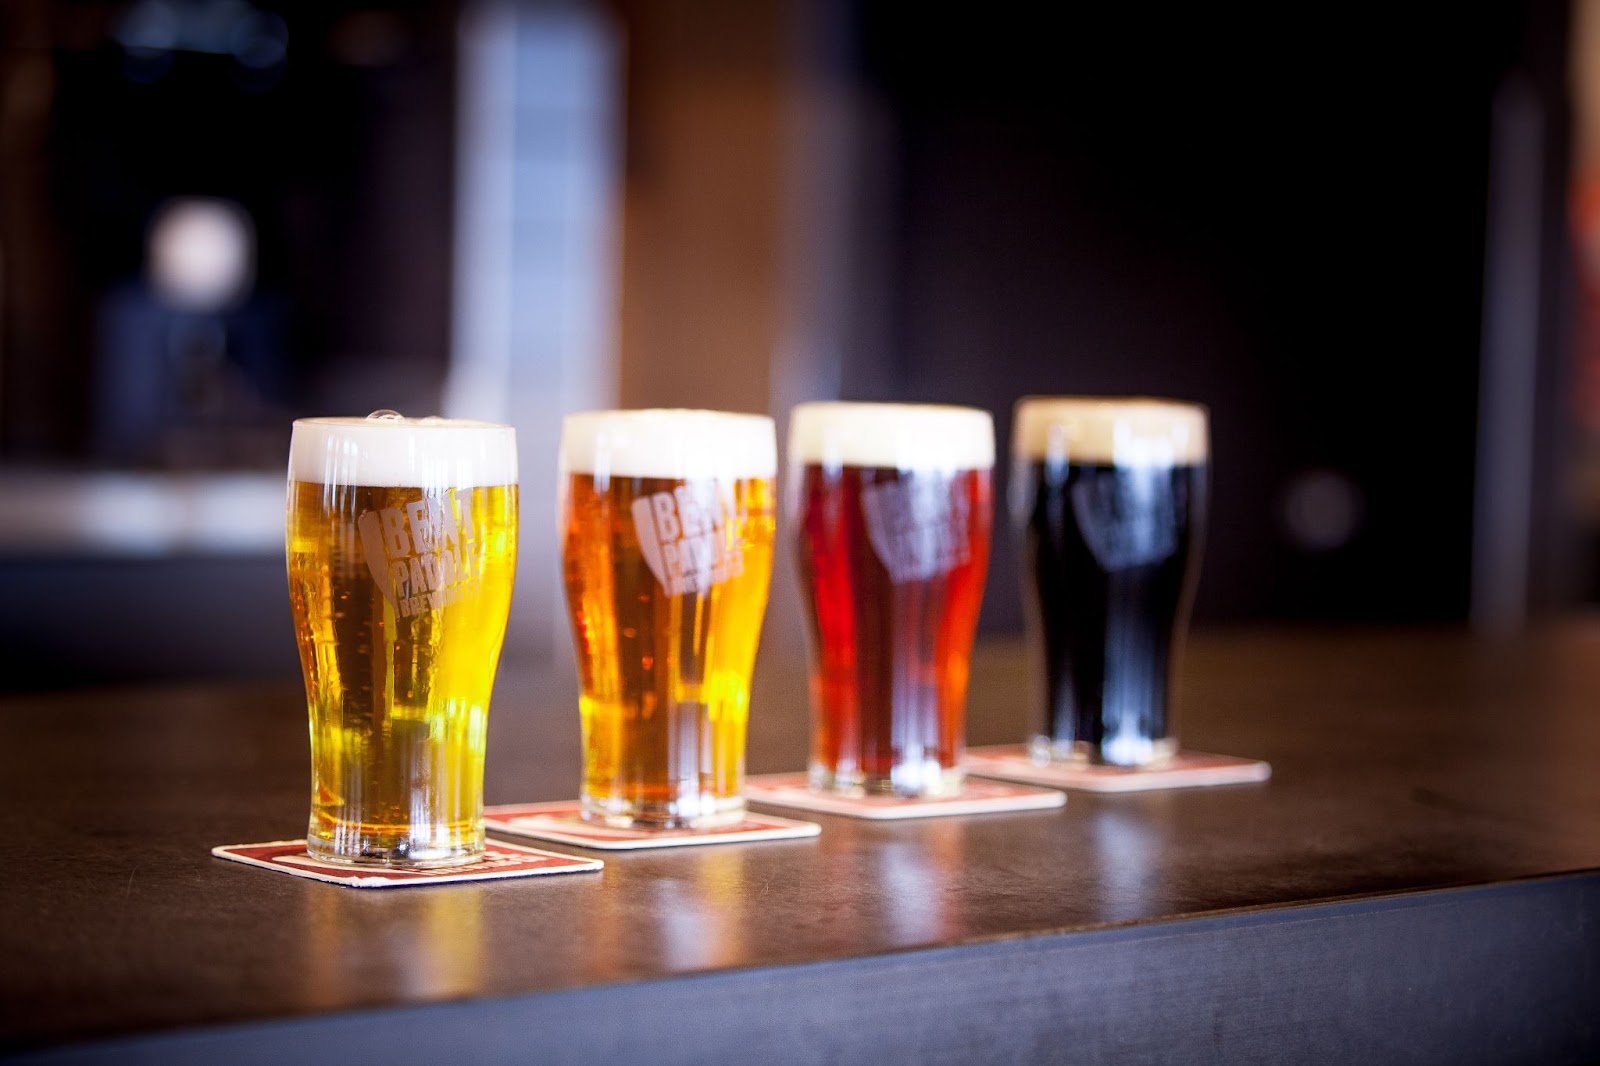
[{"x": 1358, "y": 236}]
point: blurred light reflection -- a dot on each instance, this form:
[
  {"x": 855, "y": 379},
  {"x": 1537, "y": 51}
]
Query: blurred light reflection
[
  {"x": 151, "y": 28},
  {"x": 920, "y": 878},
  {"x": 701, "y": 927},
  {"x": 434, "y": 950},
  {"x": 201, "y": 254},
  {"x": 1126, "y": 855}
]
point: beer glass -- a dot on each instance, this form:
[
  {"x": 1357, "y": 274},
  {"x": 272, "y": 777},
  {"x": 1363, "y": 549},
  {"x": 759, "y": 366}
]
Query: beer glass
[
  {"x": 892, "y": 512},
  {"x": 1109, "y": 497},
  {"x": 668, "y": 522},
  {"x": 402, "y": 544}
]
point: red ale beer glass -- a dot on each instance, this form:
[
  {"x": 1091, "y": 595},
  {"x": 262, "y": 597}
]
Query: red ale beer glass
[{"x": 891, "y": 509}]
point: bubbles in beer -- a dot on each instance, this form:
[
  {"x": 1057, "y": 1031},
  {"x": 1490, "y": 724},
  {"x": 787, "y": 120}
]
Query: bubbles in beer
[
  {"x": 402, "y": 542},
  {"x": 668, "y": 528}
]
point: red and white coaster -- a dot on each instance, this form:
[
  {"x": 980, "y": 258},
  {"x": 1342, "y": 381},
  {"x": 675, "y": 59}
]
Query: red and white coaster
[
  {"x": 561, "y": 823},
  {"x": 500, "y": 860},
  {"x": 1188, "y": 769},
  {"x": 975, "y": 797}
]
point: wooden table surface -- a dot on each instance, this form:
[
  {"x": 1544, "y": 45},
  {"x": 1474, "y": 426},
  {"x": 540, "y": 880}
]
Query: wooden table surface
[{"x": 1407, "y": 766}]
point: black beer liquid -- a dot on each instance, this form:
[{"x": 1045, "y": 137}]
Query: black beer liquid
[{"x": 1110, "y": 558}]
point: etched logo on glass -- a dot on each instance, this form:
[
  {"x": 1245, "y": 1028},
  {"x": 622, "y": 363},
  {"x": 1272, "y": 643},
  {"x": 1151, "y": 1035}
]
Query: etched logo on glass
[
  {"x": 422, "y": 555},
  {"x": 1128, "y": 516},
  {"x": 687, "y": 539},
  {"x": 917, "y": 525}
]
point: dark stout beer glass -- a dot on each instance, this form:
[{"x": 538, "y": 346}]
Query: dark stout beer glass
[
  {"x": 1109, "y": 497},
  {"x": 891, "y": 509}
]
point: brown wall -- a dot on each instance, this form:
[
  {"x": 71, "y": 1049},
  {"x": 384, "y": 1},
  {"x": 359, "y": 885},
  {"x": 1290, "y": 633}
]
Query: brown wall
[{"x": 702, "y": 203}]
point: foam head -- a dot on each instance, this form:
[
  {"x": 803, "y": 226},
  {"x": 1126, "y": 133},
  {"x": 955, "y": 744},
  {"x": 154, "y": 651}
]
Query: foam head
[
  {"x": 897, "y": 436},
  {"x": 677, "y": 444},
  {"x": 385, "y": 449},
  {"x": 1136, "y": 431}
]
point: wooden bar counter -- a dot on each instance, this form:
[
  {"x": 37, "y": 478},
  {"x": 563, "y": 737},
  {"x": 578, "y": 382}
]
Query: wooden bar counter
[{"x": 1419, "y": 881}]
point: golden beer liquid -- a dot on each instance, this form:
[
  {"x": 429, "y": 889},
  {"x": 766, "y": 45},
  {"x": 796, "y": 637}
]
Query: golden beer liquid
[
  {"x": 665, "y": 676},
  {"x": 398, "y": 672}
]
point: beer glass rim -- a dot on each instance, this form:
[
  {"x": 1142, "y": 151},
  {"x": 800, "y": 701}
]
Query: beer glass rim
[
  {"x": 1115, "y": 430},
  {"x": 902, "y": 436},
  {"x": 662, "y": 414},
  {"x": 889, "y": 406},
  {"x": 669, "y": 442},
  {"x": 1109, "y": 403},
  {"x": 387, "y": 450},
  {"x": 435, "y": 423}
]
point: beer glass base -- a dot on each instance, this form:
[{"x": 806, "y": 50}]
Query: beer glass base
[
  {"x": 914, "y": 781},
  {"x": 404, "y": 855},
  {"x": 1141, "y": 754},
  {"x": 714, "y": 814}
]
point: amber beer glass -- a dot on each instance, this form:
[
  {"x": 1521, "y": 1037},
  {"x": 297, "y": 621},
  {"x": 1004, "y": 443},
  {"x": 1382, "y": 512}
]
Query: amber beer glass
[
  {"x": 892, "y": 512},
  {"x": 1109, "y": 496},
  {"x": 668, "y": 523},
  {"x": 402, "y": 544}
]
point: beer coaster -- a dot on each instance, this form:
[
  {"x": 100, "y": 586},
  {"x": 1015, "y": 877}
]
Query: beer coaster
[
  {"x": 501, "y": 860},
  {"x": 975, "y": 797},
  {"x": 559, "y": 822},
  {"x": 1188, "y": 769}
]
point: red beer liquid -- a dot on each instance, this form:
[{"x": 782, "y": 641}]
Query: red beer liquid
[{"x": 891, "y": 638}]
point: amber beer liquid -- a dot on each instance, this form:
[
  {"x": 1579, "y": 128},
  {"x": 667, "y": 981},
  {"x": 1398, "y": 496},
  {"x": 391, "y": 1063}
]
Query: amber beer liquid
[
  {"x": 892, "y": 513},
  {"x": 668, "y": 523},
  {"x": 1109, "y": 497},
  {"x": 402, "y": 542}
]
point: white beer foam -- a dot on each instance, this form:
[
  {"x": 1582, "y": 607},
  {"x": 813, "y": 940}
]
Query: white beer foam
[
  {"x": 899, "y": 436},
  {"x": 390, "y": 451},
  {"x": 1136, "y": 431},
  {"x": 662, "y": 443}
]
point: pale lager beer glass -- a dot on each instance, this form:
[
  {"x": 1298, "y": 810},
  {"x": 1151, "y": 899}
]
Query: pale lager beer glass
[
  {"x": 892, "y": 511},
  {"x": 402, "y": 544},
  {"x": 1109, "y": 497},
  {"x": 667, "y": 524}
]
